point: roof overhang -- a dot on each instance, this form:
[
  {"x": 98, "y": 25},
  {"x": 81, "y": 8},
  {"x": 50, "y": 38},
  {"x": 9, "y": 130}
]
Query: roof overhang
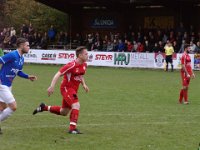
[{"x": 73, "y": 6}]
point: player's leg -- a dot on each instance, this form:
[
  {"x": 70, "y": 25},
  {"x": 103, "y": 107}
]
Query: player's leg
[
  {"x": 8, "y": 111},
  {"x": 72, "y": 102},
  {"x": 167, "y": 62},
  {"x": 185, "y": 95},
  {"x": 186, "y": 82},
  {"x": 74, "y": 118},
  {"x": 58, "y": 110},
  {"x": 182, "y": 89},
  {"x": 2, "y": 106},
  {"x": 7, "y": 97},
  {"x": 171, "y": 62},
  {"x": 64, "y": 110},
  {"x": 181, "y": 96}
]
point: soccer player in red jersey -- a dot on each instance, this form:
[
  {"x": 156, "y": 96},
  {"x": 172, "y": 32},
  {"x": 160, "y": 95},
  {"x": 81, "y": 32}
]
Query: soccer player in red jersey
[
  {"x": 72, "y": 74},
  {"x": 186, "y": 74}
]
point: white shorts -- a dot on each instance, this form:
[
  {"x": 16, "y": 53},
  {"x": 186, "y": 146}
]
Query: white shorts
[{"x": 6, "y": 95}]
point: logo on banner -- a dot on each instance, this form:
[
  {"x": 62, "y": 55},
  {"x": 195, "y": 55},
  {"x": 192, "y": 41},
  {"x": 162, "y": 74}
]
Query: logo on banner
[
  {"x": 30, "y": 56},
  {"x": 159, "y": 59},
  {"x": 104, "y": 22},
  {"x": 103, "y": 57},
  {"x": 66, "y": 56},
  {"x": 90, "y": 58},
  {"x": 48, "y": 56},
  {"x": 121, "y": 59},
  {"x": 139, "y": 56},
  {"x": 197, "y": 61}
]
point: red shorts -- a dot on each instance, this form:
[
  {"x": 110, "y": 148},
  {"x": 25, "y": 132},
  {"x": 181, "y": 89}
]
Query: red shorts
[
  {"x": 69, "y": 97},
  {"x": 185, "y": 79}
]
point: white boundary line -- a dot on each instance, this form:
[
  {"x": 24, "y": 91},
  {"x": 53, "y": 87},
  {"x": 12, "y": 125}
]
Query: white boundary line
[
  {"x": 169, "y": 115},
  {"x": 95, "y": 124}
]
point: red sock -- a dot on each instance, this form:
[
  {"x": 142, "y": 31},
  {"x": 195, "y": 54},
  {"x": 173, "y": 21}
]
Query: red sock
[
  {"x": 181, "y": 96},
  {"x": 185, "y": 95},
  {"x": 45, "y": 108},
  {"x": 55, "y": 109},
  {"x": 73, "y": 118}
]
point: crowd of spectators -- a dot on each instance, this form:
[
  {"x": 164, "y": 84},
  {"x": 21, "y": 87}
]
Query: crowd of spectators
[{"x": 132, "y": 41}]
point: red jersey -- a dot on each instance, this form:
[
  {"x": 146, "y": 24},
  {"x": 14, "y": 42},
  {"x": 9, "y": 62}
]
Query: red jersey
[
  {"x": 73, "y": 73},
  {"x": 186, "y": 61}
]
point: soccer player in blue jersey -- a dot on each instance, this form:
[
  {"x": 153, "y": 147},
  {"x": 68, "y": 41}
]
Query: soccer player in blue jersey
[{"x": 12, "y": 64}]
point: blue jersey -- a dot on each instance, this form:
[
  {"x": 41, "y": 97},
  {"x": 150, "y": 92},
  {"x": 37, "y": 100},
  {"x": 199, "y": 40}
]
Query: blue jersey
[{"x": 12, "y": 64}]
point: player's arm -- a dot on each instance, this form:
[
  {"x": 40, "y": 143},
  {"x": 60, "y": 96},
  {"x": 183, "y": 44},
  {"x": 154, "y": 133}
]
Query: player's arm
[
  {"x": 26, "y": 76},
  {"x": 183, "y": 62},
  {"x": 185, "y": 70},
  {"x": 84, "y": 84},
  {"x": 193, "y": 75},
  {"x": 50, "y": 90}
]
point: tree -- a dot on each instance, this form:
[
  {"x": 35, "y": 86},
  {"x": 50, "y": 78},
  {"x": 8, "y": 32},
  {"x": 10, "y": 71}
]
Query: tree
[{"x": 28, "y": 11}]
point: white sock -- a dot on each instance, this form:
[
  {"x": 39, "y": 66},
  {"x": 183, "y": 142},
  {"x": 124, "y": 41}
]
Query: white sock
[{"x": 5, "y": 113}]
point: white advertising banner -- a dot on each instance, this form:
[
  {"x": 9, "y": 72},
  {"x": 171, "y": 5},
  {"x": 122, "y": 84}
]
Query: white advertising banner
[
  {"x": 111, "y": 59},
  {"x": 100, "y": 58},
  {"x": 160, "y": 61},
  {"x": 142, "y": 60},
  {"x": 49, "y": 56}
]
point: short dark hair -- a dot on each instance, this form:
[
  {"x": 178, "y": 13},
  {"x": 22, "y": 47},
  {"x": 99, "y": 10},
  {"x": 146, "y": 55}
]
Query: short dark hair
[
  {"x": 79, "y": 50},
  {"x": 20, "y": 41},
  {"x": 186, "y": 46}
]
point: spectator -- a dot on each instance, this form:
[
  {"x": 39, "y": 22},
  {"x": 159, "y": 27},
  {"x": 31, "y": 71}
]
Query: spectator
[
  {"x": 52, "y": 34},
  {"x": 24, "y": 29},
  {"x": 197, "y": 49},
  {"x": 13, "y": 40},
  {"x": 12, "y": 31},
  {"x": 129, "y": 46},
  {"x": 78, "y": 40},
  {"x": 89, "y": 41},
  {"x": 182, "y": 46},
  {"x": 186, "y": 37},
  {"x": 67, "y": 39},
  {"x": 6, "y": 41},
  {"x": 171, "y": 37},
  {"x": 115, "y": 45},
  {"x": 158, "y": 36},
  {"x": 33, "y": 40},
  {"x": 165, "y": 38},
  {"x": 176, "y": 47},
  {"x": 140, "y": 47},
  {"x": 61, "y": 38},
  {"x": 31, "y": 29},
  {"x": 121, "y": 46},
  {"x": 155, "y": 49},
  {"x": 161, "y": 47},
  {"x": 192, "y": 47},
  {"x": 38, "y": 41},
  {"x": 135, "y": 46},
  {"x": 104, "y": 45},
  {"x": 110, "y": 46},
  {"x": 147, "y": 47}
]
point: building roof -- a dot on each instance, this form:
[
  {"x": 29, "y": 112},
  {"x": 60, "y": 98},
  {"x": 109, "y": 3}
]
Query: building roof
[{"x": 72, "y": 6}]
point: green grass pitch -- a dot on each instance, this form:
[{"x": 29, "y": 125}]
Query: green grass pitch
[{"x": 132, "y": 109}]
